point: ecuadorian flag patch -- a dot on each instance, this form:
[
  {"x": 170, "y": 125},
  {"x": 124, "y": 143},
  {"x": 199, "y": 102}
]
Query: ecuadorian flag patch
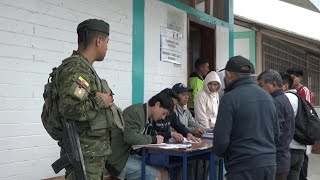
[{"x": 82, "y": 83}]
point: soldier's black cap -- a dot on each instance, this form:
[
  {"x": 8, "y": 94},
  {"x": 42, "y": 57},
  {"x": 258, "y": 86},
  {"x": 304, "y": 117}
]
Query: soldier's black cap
[{"x": 94, "y": 25}]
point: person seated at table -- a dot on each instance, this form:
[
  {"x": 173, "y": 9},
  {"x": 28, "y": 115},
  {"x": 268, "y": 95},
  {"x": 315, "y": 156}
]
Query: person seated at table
[
  {"x": 183, "y": 113},
  {"x": 194, "y": 126},
  {"x": 186, "y": 118},
  {"x": 207, "y": 101},
  {"x": 125, "y": 163},
  {"x": 162, "y": 127}
]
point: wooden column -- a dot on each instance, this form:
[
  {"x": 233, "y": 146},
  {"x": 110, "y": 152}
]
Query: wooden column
[
  {"x": 218, "y": 7},
  {"x": 259, "y": 58},
  {"x": 207, "y": 6}
]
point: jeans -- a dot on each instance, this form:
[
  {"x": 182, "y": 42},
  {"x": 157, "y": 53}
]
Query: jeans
[
  {"x": 297, "y": 158},
  {"x": 304, "y": 169},
  {"x": 133, "y": 168},
  {"x": 263, "y": 173}
]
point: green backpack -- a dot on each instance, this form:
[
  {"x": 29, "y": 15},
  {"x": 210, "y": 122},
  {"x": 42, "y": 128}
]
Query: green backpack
[{"x": 51, "y": 118}]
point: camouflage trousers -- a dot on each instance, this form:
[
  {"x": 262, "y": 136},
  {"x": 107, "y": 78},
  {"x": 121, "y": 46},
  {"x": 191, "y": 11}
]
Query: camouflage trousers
[{"x": 94, "y": 168}]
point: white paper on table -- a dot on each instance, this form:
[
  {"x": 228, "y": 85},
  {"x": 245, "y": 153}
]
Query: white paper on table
[
  {"x": 185, "y": 140},
  {"x": 135, "y": 147},
  {"x": 176, "y": 146}
]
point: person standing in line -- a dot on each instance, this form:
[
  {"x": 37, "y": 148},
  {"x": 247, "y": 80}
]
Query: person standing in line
[
  {"x": 271, "y": 82},
  {"x": 246, "y": 125},
  {"x": 297, "y": 75},
  {"x": 297, "y": 150}
]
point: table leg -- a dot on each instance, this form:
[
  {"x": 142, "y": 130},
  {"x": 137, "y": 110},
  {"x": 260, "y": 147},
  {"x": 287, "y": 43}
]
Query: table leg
[
  {"x": 143, "y": 168},
  {"x": 220, "y": 169},
  {"x": 197, "y": 169},
  {"x": 171, "y": 172},
  {"x": 185, "y": 167},
  {"x": 212, "y": 159},
  {"x": 204, "y": 170}
]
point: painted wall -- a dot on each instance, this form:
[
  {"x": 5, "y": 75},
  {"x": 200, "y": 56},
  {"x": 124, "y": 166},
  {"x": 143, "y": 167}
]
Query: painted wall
[
  {"x": 241, "y": 29},
  {"x": 159, "y": 74},
  {"x": 222, "y": 46},
  {"x": 245, "y": 43},
  {"x": 241, "y": 46},
  {"x": 35, "y": 36}
]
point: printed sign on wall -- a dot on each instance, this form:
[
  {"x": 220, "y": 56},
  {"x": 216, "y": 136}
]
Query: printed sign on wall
[{"x": 170, "y": 45}]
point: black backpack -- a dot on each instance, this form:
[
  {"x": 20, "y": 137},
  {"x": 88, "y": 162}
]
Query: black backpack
[{"x": 307, "y": 123}]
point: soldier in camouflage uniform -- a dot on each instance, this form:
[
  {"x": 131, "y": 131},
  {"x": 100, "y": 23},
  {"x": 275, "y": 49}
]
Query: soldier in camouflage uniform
[{"x": 87, "y": 99}]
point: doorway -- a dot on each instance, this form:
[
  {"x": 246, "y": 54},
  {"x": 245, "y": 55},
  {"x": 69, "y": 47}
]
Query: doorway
[{"x": 201, "y": 43}]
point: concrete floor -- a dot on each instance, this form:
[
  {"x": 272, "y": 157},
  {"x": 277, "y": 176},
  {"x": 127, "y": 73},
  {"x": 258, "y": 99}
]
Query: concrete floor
[{"x": 314, "y": 167}]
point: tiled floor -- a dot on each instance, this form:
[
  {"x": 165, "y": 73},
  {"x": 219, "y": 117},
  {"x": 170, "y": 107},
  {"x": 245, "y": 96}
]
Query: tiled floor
[{"x": 314, "y": 167}]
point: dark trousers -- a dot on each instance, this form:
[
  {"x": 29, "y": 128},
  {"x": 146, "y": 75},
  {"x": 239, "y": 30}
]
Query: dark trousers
[
  {"x": 281, "y": 176},
  {"x": 304, "y": 169},
  {"x": 297, "y": 157},
  {"x": 263, "y": 173}
]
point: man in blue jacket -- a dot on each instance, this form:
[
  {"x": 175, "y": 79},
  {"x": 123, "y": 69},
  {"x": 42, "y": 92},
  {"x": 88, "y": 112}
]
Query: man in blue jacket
[
  {"x": 246, "y": 125},
  {"x": 271, "y": 81}
]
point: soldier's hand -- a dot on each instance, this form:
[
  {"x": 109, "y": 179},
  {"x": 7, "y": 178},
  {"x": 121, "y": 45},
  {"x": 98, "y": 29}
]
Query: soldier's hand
[
  {"x": 159, "y": 139},
  {"x": 107, "y": 98}
]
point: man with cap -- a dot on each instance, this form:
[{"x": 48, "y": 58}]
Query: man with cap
[
  {"x": 162, "y": 127},
  {"x": 246, "y": 126},
  {"x": 86, "y": 99},
  {"x": 186, "y": 118},
  {"x": 184, "y": 114}
]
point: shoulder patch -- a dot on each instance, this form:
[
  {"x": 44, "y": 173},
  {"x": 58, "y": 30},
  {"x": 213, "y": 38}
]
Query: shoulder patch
[
  {"x": 82, "y": 82},
  {"x": 80, "y": 92}
]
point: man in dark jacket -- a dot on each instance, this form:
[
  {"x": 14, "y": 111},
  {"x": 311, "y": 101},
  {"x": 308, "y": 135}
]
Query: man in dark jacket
[
  {"x": 246, "y": 125},
  {"x": 271, "y": 81}
]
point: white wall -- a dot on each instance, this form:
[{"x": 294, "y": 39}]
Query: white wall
[
  {"x": 159, "y": 74},
  {"x": 241, "y": 29},
  {"x": 35, "y": 35},
  {"x": 242, "y": 46},
  {"x": 222, "y": 47}
]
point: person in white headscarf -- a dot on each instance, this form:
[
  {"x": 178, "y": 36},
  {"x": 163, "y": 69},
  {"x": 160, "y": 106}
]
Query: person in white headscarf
[{"x": 207, "y": 101}]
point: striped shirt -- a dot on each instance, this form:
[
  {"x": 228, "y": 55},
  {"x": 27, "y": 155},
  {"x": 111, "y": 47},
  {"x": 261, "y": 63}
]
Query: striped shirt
[{"x": 306, "y": 93}]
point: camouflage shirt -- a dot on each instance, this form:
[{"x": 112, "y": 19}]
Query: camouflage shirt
[{"x": 77, "y": 101}]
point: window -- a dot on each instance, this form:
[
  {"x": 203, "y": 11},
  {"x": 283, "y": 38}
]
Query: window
[{"x": 280, "y": 56}]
